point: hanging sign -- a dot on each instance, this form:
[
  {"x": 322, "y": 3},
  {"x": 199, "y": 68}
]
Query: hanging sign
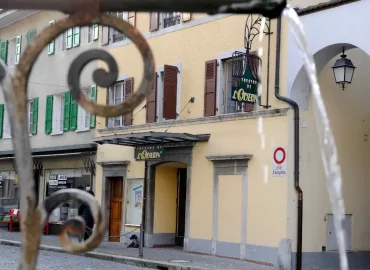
[
  {"x": 279, "y": 163},
  {"x": 143, "y": 153},
  {"x": 247, "y": 92}
]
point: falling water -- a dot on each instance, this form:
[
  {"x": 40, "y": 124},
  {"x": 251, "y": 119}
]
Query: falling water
[
  {"x": 259, "y": 91},
  {"x": 260, "y": 131},
  {"x": 326, "y": 139}
]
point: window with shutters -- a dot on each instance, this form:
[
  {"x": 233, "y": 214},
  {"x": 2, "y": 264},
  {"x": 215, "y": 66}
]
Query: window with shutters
[
  {"x": 115, "y": 34},
  {"x": 7, "y": 133},
  {"x": 111, "y": 35},
  {"x": 12, "y": 52},
  {"x": 60, "y": 43},
  {"x": 159, "y": 21},
  {"x": 87, "y": 35},
  {"x": 117, "y": 96},
  {"x": 168, "y": 93},
  {"x": 169, "y": 19},
  {"x": 226, "y": 104},
  {"x": 58, "y": 114},
  {"x": 230, "y": 81},
  {"x": 83, "y": 115},
  {"x": 30, "y": 116},
  {"x": 32, "y": 108}
]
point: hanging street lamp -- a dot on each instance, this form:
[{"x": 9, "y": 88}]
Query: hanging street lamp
[{"x": 343, "y": 71}]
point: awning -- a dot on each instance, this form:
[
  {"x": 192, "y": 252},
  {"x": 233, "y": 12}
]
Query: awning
[
  {"x": 57, "y": 151},
  {"x": 151, "y": 138}
]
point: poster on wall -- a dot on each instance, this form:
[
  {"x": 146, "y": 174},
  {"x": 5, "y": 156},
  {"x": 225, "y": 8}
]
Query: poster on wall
[
  {"x": 138, "y": 196},
  {"x": 279, "y": 163}
]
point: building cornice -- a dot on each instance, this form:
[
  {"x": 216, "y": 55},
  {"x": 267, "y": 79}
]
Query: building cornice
[
  {"x": 199, "y": 121},
  {"x": 323, "y": 6},
  {"x": 8, "y": 17}
]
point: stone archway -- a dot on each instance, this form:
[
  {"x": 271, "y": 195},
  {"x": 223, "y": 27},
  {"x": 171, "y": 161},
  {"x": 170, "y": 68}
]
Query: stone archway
[{"x": 349, "y": 115}]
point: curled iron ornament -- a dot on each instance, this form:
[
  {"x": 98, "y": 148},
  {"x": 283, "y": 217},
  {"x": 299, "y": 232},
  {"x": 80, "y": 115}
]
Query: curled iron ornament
[
  {"x": 84, "y": 13},
  {"x": 15, "y": 92}
]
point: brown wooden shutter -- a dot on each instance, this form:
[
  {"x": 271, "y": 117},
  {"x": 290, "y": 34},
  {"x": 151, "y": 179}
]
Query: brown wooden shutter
[
  {"x": 247, "y": 107},
  {"x": 105, "y": 35},
  {"x": 170, "y": 92},
  {"x": 186, "y": 17},
  {"x": 131, "y": 18},
  {"x": 129, "y": 88},
  {"x": 151, "y": 103},
  {"x": 154, "y": 21},
  {"x": 210, "y": 88}
]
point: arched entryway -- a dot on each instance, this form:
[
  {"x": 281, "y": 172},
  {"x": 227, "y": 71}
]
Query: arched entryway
[
  {"x": 168, "y": 199},
  {"x": 349, "y": 115}
]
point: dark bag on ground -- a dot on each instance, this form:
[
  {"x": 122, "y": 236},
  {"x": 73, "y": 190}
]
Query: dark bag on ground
[{"x": 134, "y": 242}]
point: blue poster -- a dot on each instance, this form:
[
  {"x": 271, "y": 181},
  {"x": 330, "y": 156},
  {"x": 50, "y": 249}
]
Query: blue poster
[{"x": 138, "y": 196}]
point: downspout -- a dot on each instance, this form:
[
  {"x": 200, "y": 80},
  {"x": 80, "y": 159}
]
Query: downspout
[{"x": 296, "y": 146}]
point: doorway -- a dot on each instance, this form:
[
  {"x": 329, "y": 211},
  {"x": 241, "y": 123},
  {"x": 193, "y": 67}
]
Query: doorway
[
  {"x": 181, "y": 207},
  {"x": 115, "y": 213},
  {"x": 36, "y": 177}
]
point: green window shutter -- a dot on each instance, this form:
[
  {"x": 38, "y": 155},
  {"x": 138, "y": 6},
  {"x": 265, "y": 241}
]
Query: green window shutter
[
  {"x": 18, "y": 48},
  {"x": 95, "y": 31},
  {"x": 94, "y": 99},
  {"x": 67, "y": 110},
  {"x": 2, "y": 108},
  {"x": 31, "y": 35},
  {"x": 69, "y": 38},
  {"x": 49, "y": 114},
  {"x": 51, "y": 47},
  {"x": 4, "y": 50},
  {"x": 76, "y": 36},
  {"x": 74, "y": 112},
  {"x": 35, "y": 115}
]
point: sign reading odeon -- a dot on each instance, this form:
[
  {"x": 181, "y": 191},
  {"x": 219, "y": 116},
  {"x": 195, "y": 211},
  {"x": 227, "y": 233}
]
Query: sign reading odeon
[
  {"x": 143, "y": 153},
  {"x": 247, "y": 92}
]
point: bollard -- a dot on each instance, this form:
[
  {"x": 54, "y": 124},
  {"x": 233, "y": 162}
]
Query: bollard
[{"x": 141, "y": 246}]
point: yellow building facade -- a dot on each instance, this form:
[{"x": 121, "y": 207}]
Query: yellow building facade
[{"x": 207, "y": 190}]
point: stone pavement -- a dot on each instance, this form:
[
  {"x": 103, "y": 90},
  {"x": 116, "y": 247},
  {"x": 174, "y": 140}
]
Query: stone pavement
[
  {"x": 169, "y": 258},
  {"x": 56, "y": 261}
]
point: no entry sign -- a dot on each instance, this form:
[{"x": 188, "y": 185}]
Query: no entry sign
[{"x": 279, "y": 161}]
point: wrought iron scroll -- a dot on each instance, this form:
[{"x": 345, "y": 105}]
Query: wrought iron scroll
[
  {"x": 241, "y": 60},
  {"x": 84, "y": 13}
]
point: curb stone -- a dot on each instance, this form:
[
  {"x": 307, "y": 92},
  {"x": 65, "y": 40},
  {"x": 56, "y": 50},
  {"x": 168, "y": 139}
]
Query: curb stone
[{"x": 115, "y": 258}]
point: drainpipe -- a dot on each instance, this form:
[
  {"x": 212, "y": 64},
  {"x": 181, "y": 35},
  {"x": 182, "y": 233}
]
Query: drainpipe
[{"x": 296, "y": 147}]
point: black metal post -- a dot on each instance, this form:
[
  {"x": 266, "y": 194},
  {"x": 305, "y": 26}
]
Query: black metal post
[{"x": 142, "y": 225}]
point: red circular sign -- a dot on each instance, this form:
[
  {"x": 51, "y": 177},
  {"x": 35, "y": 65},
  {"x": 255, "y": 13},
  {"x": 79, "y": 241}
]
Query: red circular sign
[{"x": 275, "y": 155}]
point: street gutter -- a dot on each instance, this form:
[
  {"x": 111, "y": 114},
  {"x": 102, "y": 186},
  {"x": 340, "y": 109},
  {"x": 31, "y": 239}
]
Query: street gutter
[{"x": 115, "y": 258}]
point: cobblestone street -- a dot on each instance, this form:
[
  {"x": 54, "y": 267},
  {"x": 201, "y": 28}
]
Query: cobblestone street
[{"x": 55, "y": 261}]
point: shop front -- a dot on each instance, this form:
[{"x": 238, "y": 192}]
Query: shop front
[
  {"x": 54, "y": 169},
  {"x": 9, "y": 188}
]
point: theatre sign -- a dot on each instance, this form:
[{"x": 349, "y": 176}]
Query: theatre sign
[
  {"x": 246, "y": 92},
  {"x": 143, "y": 153}
]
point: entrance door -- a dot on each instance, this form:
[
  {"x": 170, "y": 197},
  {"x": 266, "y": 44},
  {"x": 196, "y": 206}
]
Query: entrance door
[
  {"x": 115, "y": 217},
  {"x": 181, "y": 207}
]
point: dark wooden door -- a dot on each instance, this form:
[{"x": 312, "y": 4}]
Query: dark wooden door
[
  {"x": 115, "y": 217},
  {"x": 181, "y": 207}
]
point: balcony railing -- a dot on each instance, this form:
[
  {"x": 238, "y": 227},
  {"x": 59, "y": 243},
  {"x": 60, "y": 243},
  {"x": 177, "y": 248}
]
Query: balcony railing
[{"x": 171, "y": 21}]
